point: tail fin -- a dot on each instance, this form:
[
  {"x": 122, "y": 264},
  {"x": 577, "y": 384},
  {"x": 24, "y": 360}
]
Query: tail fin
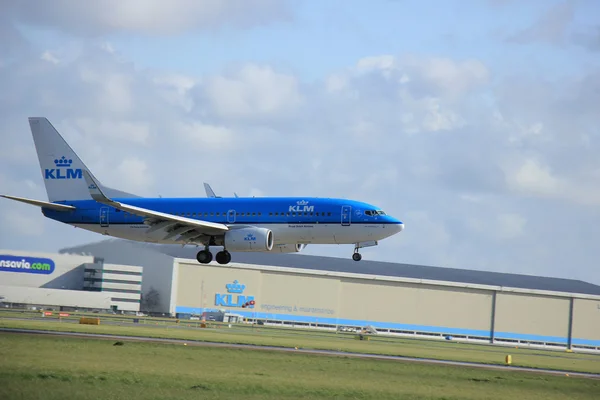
[{"x": 62, "y": 170}]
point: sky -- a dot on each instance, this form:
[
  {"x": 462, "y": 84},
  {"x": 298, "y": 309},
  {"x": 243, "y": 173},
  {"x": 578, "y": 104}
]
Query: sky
[{"x": 474, "y": 122}]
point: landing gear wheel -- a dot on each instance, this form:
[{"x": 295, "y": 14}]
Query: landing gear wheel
[
  {"x": 223, "y": 257},
  {"x": 204, "y": 257},
  {"x": 356, "y": 257}
]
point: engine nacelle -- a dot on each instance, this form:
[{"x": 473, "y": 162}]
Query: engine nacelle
[
  {"x": 249, "y": 239},
  {"x": 288, "y": 248}
]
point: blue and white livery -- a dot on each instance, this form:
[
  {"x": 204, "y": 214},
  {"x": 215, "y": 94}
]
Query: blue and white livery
[{"x": 269, "y": 224}]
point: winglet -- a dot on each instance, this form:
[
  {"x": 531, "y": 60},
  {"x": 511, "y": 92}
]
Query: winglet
[{"x": 94, "y": 189}]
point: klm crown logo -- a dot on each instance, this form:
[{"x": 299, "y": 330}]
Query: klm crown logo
[
  {"x": 92, "y": 187},
  {"x": 63, "y": 170},
  {"x": 301, "y": 206},
  {"x": 235, "y": 287},
  {"x": 63, "y": 162},
  {"x": 232, "y": 300},
  {"x": 250, "y": 237}
]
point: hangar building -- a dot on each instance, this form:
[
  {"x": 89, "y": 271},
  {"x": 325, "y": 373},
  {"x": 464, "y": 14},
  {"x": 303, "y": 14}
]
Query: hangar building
[
  {"x": 68, "y": 282},
  {"x": 398, "y": 299}
]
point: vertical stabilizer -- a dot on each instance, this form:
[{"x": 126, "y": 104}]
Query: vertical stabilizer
[{"x": 62, "y": 170}]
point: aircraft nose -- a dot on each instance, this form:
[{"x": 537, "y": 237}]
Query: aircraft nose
[{"x": 398, "y": 226}]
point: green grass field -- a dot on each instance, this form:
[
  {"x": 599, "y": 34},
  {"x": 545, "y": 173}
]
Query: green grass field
[
  {"x": 46, "y": 367},
  {"x": 308, "y": 339}
]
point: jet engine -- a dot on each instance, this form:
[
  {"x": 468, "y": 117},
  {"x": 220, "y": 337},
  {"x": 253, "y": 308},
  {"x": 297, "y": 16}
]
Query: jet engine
[
  {"x": 249, "y": 239},
  {"x": 288, "y": 248}
]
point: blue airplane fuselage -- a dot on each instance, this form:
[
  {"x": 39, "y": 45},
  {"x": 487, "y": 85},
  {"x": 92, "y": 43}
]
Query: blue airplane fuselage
[{"x": 293, "y": 220}]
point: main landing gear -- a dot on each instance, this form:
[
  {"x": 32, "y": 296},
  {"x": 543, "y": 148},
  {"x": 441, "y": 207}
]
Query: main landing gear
[{"x": 205, "y": 256}]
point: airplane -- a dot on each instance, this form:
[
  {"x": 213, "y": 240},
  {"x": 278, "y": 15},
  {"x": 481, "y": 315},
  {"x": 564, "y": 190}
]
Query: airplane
[{"x": 238, "y": 224}]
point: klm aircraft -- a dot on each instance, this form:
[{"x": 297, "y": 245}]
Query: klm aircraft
[{"x": 237, "y": 224}]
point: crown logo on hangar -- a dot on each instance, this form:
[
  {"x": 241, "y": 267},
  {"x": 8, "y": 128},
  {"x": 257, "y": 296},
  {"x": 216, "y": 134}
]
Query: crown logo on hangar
[{"x": 235, "y": 287}]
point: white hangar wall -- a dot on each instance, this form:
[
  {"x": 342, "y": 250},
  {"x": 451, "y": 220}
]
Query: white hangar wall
[
  {"x": 62, "y": 280},
  {"x": 390, "y": 304}
]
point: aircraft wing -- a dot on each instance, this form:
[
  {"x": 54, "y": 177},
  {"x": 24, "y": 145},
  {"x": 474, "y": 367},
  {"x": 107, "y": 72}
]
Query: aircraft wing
[{"x": 187, "y": 229}]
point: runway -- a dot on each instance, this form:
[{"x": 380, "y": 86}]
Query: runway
[{"x": 306, "y": 351}]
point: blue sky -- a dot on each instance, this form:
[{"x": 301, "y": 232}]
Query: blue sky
[
  {"x": 318, "y": 38},
  {"x": 474, "y": 121}
]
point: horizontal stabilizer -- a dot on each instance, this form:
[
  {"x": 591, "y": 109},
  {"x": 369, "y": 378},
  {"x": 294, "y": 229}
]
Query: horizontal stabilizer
[{"x": 39, "y": 203}]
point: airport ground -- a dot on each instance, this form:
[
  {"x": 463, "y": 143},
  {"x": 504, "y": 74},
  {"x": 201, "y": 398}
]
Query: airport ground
[{"x": 48, "y": 366}]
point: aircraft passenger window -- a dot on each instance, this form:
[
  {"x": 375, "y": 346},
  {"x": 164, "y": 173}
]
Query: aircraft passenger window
[
  {"x": 329, "y": 214},
  {"x": 259, "y": 214},
  {"x": 211, "y": 214},
  {"x": 253, "y": 214},
  {"x": 206, "y": 214},
  {"x": 270, "y": 214}
]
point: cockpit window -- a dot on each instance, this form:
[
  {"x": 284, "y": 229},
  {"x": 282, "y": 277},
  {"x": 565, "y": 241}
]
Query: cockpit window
[{"x": 374, "y": 212}]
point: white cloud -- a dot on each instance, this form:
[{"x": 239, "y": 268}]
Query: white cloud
[
  {"x": 206, "y": 137},
  {"x": 48, "y": 56},
  {"x": 176, "y": 89},
  {"x": 253, "y": 91},
  {"x": 531, "y": 177},
  {"x": 134, "y": 175},
  {"x": 118, "y": 131},
  {"x": 447, "y": 76},
  {"x": 146, "y": 16},
  {"x": 510, "y": 226}
]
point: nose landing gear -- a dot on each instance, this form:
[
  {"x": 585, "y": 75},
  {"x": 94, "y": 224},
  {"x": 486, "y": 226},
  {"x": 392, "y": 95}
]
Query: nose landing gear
[{"x": 357, "y": 256}]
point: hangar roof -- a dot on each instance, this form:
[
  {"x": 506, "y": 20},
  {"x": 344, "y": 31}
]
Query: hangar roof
[{"x": 120, "y": 251}]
